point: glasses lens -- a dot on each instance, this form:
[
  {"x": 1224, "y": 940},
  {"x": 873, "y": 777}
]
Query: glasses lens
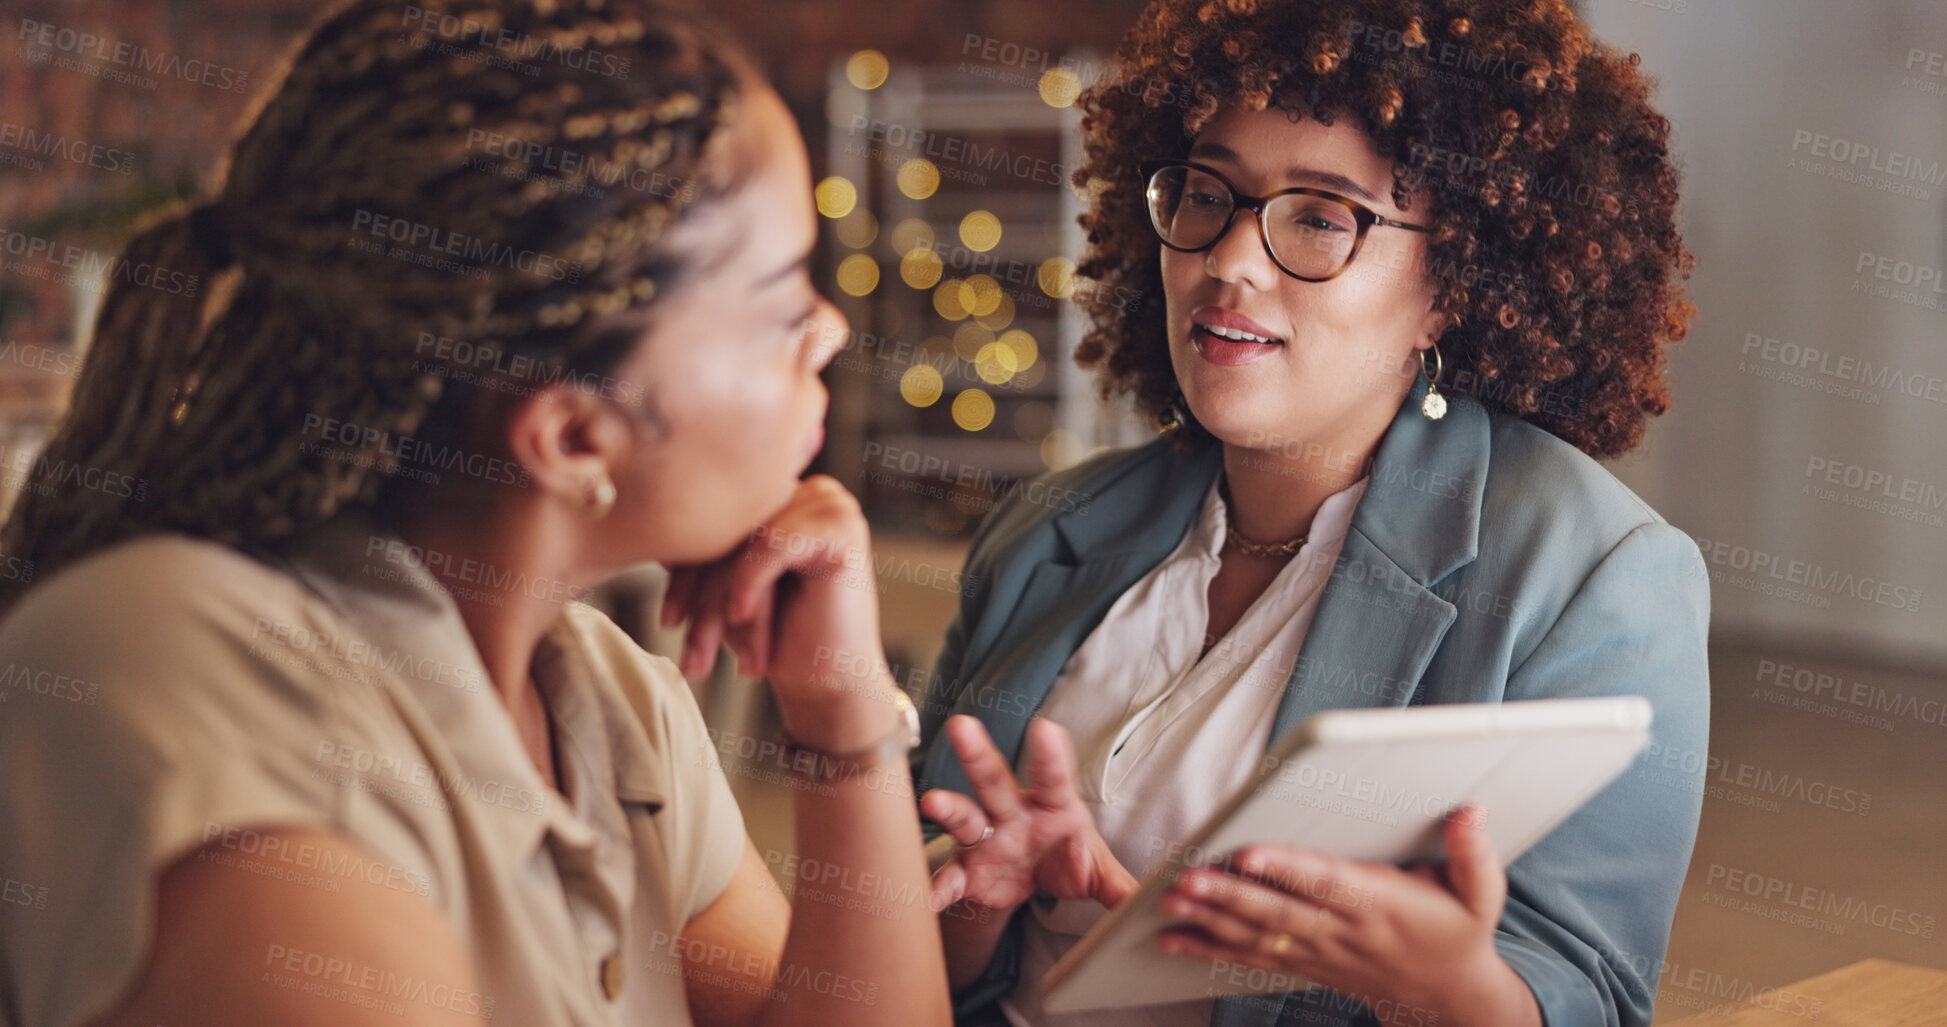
[
  {"x": 1311, "y": 235},
  {"x": 1187, "y": 206}
]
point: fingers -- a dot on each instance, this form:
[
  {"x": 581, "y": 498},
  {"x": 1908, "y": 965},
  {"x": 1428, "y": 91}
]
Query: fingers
[
  {"x": 949, "y": 885},
  {"x": 959, "y": 814},
  {"x": 733, "y": 600},
  {"x": 1048, "y": 770},
  {"x": 676, "y": 598},
  {"x": 738, "y": 639},
  {"x": 1345, "y": 886},
  {"x": 1474, "y": 869},
  {"x": 814, "y": 530},
  {"x": 1231, "y": 900},
  {"x": 1197, "y": 945},
  {"x": 753, "y": 580},
  {"x": 746, "y": 629},
  {"x": 1115, "y": 882},
  {"x": 1192, "y": 942},
  {"x": 986, "y": 769},
  {"x": 1249, "y": 924},
  {"x": 759, "y": 630},
  {"x": 707, "y": 624}
]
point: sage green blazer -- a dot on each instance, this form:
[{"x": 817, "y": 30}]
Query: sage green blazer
[{"x": 1488, "y": 561}]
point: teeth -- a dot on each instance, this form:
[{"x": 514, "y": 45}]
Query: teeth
[{"x": 1236, "y": 335}]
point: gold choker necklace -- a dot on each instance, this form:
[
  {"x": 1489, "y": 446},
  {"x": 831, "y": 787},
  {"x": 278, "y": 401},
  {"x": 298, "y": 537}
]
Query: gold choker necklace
[{"x": 1252, "y": 547}]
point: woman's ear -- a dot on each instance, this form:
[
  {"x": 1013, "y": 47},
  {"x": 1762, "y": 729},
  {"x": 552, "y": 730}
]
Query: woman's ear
[
  {"x": 567, "y": 439},
  {"x": 1433, "y": 326}
]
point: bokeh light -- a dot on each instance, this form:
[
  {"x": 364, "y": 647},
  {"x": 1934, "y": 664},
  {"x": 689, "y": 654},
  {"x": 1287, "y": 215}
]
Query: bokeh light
[
  {"x": 911, "y": 234},
  {"x": 969, "y": 339},
  {"x": 858, "y": 275},
  {"x": 951, "y": 298},
  {"x": 995, "y": 364},
  {"x": 919, "y": 178},
  {"x": 973, "y": 409},
  {"x": 921, "y": 385},
  {"x": 921, "y": 268},
  {"x": 1022, "y": 346},
  {"x": 985, "y": 297},
  {"x": 868, "y": 69},
  {"x": 858, "y": 229},
  {"x": 1000, "y": 317},
  {"x": 836, "y": 196},
  {"x": 980, "y": 231},
  {"x": 1059, "y": 86},
  {"x": 1057, "y": 277}
]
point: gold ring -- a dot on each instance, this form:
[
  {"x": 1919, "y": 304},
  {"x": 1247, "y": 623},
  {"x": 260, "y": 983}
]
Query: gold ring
[{"x": 1280, "y": 944}]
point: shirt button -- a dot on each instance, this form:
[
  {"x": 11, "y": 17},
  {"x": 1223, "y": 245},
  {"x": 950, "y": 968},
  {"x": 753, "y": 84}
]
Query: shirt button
[{"x": 612, "y": 975}]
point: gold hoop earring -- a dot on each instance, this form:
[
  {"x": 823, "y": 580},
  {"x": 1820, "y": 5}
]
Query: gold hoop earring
[
  {"x": 601, "y": 496},
  {"x": 1172, "y": 416},
  {"x": 1434, "y": 406}
]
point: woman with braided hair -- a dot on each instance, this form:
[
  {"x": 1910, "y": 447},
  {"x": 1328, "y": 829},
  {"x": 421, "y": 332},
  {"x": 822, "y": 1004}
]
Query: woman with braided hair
[{"x": 495, "y": 297}]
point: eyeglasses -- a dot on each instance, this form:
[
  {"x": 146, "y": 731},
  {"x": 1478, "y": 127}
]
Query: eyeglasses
[{"x": 1312, "y": 235}]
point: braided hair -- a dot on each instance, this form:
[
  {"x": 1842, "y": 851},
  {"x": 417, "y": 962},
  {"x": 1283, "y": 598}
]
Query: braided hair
[{"x": 498, "y": 172}]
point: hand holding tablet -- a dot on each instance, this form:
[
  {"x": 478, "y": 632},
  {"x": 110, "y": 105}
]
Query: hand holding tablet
[{"x": 1374, "y": 786}]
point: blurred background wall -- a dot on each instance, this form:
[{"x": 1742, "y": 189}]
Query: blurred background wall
[
  {"x": 1806, "y": 451},
  {"x": 1814, "y": 142}
]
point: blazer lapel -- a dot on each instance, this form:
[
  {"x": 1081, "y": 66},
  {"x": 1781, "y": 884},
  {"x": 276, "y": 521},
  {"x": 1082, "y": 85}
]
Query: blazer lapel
[
  {"x": 1373, "y": 635},
  {"x": 1378, "y": 623}
]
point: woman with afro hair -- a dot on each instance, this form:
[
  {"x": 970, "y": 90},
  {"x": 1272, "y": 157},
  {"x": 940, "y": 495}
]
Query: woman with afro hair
[{"x": 1391, "y": 276}]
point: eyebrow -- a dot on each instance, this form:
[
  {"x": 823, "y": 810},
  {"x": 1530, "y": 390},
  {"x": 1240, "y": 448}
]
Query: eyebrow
[{"x": 1296, "y": 173}]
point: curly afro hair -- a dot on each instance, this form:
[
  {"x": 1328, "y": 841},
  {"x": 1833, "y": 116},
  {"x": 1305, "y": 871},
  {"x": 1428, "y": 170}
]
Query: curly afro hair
[{"x": 1549, "y": 177}]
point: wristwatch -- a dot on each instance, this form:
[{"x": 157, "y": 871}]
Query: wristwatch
[{"x": 828, "y": 766}]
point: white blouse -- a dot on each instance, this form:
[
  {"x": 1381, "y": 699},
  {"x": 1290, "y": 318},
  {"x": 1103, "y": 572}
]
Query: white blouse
[{"x": 1162, "y": 737}]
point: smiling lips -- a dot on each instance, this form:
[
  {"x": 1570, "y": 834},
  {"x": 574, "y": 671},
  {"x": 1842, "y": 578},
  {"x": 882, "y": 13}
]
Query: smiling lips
[{"x": 1228, "y": 338}]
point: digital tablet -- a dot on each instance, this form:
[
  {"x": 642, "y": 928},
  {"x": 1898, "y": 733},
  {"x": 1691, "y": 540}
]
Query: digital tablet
[{"x": 1370, "y": 785}]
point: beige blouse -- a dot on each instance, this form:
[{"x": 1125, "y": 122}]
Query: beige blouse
[{"x": 170, "y": 694}]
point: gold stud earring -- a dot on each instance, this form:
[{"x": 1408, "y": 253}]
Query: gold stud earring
[
  {"x": 601, "y": 496},
  {"x": 1434, "y": 406}
]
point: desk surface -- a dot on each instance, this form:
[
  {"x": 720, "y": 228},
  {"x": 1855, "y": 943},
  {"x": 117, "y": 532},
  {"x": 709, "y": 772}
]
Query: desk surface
[{"x": 1869, "y": 993}]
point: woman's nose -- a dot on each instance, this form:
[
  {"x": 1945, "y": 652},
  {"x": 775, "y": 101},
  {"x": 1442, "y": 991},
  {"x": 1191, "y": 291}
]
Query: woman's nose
[
  {"x": 829, "y": 333},
  {"x": 1239, "y": 255}
]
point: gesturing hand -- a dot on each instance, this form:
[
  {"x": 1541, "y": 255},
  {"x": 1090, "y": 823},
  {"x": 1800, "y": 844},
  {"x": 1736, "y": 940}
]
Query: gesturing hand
[{"x": 1042, "y": 836}]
